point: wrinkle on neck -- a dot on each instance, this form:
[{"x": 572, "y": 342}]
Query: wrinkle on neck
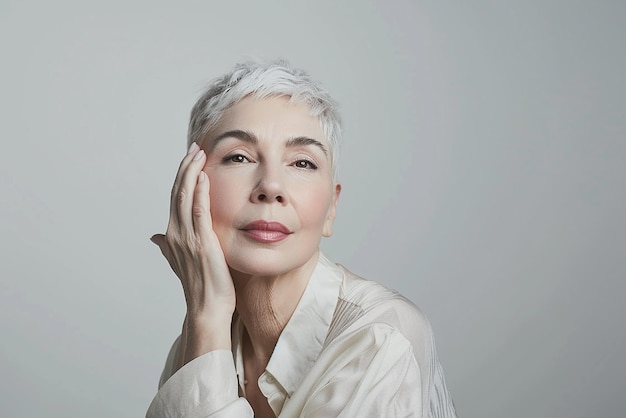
[{"x": 265, "y": 305}]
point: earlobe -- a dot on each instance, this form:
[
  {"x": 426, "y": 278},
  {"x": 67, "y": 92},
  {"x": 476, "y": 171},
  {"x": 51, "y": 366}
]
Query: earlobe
[{"x": 332, "y": 212}]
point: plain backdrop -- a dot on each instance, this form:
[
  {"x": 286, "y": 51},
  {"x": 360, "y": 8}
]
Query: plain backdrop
[{"x": 483, "y": 170}]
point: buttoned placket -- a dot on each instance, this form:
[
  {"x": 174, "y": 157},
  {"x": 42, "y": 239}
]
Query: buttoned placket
[
  {"x": 268, "y": 385},
  {"x": 326, "y": 278},
  {"x": 273, "y": 391}
]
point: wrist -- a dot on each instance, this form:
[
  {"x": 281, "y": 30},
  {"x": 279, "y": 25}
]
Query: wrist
[
  {"x": 206, "y": 332},
  {"x": 207, "y": 322}
]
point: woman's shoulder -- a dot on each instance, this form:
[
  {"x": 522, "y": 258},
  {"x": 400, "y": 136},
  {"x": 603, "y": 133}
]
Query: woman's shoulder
[
  {"x": 366, "y": 303},
  {"x": 373, "y": 297}
]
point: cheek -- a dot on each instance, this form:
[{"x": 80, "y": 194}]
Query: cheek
[
  {"x": 223, "y": 197},
  {"x": 314, "y": 206}
]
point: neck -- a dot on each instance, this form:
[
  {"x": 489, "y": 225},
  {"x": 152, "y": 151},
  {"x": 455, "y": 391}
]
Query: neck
[{"x": 265, "y": 305}]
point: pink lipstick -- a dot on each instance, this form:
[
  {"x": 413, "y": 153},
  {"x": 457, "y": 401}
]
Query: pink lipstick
[{"x": 264, "y": 231}]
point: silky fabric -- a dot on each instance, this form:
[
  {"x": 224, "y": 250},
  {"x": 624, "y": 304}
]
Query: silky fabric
[{"x": 352, "y": 348}]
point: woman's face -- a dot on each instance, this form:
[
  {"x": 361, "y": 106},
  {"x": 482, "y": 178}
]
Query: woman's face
[{"x": 271, "y": 185}]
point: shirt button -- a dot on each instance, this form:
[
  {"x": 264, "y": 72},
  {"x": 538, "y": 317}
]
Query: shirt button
[{"x": 270, "y": 379}]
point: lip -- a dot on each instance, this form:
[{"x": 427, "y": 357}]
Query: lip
[{"x": 266, "y": 231}]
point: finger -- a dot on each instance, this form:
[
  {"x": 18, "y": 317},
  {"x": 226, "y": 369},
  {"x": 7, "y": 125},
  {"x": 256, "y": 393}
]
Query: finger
[
  {"x": 203, "y": 228},
  {"x": 184, "y": 195},
  {"x": 158, "y": 239},
  {"x": 161, "y": 241},
  {"x": 202, "y": 208},
  {"x": 191, "y": 152}
]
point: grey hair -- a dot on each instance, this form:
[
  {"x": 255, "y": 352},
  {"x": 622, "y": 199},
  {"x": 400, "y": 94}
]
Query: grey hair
[{"x": 264, "y": 80}]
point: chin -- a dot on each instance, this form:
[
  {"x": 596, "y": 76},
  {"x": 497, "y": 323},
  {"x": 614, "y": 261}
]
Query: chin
[{"x": 269, "y": 261}]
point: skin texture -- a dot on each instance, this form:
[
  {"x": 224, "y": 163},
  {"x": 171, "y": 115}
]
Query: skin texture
[{"x": 265, "y": 160}]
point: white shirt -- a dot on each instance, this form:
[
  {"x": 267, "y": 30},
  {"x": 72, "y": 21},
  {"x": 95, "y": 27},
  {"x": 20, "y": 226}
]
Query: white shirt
[{"x": 352, "y": 348}]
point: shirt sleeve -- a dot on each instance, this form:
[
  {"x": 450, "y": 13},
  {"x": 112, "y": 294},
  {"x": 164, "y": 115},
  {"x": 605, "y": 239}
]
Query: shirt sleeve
[
  {"x": 371, "y": 371},
  {"x": 206, "y": 387}
]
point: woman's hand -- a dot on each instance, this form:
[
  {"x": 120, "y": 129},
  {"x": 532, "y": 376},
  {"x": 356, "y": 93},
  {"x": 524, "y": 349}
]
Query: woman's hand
[{"x": 194, "y": 253}]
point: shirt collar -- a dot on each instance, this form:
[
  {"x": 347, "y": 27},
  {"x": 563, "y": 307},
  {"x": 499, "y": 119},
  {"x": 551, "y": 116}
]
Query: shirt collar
[{"x": 302, "y": 339}]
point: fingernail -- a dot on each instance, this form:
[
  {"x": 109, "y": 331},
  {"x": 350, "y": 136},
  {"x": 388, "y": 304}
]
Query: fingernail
[
  {"x": 193, "y": 147},
  {"x": 198, "y": 155}
]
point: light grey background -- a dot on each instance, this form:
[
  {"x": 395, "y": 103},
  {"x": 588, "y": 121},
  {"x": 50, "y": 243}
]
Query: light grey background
[{"x": 483, "y": 171}]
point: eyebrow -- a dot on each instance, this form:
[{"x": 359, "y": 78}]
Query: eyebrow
[
  {"x": 239, "y": 134},
  {"x": 303, "y": 141},
  {"x": 249, "y": 137}
]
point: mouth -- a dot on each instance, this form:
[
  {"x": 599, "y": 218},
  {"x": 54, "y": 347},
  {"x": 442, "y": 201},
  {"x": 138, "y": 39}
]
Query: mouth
[{"x": 264, "y": 231}]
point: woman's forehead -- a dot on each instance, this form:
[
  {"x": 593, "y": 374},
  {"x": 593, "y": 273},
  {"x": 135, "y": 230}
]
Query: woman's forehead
[{"x": 272, "y": 118}]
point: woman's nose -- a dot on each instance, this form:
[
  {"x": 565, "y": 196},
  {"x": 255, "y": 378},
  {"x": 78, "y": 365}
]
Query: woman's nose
[{"x": 270, "y": 187}]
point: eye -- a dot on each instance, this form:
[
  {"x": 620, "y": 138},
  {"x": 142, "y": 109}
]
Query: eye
[
  {"x": 305, "y": 164},
  {"x": 236, "y": 158}
]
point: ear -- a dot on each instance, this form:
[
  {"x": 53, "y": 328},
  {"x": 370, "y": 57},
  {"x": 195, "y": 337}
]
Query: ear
[{"x": 332, "y": 212}]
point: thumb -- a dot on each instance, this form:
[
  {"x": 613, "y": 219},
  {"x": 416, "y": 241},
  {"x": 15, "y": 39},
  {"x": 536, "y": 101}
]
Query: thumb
[{"x": 158, "y": 239}]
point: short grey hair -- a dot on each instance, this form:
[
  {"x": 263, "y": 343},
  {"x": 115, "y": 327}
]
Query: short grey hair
[{"x": 264, "y": 80}]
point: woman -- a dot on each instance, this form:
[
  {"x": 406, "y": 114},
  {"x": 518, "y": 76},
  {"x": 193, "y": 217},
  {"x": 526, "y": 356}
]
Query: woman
[{"x": 273, "y": 328}]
